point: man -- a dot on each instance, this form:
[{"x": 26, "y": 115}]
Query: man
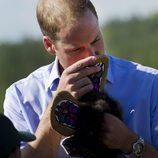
[
  {"x": 10, "y": 139},
  {"x": 71, "y": 32}
]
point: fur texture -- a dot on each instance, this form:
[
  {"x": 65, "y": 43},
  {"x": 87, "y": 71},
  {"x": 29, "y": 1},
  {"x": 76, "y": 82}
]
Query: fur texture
[{"x": 87, "y": 140}]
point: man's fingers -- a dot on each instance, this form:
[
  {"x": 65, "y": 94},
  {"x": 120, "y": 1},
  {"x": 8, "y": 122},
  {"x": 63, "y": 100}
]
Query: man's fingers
[
  {"x": 87, "y": 71},
  {"x": 75, "y": 78},
  {"x": 80, "y": 84},
  {"x": 89, "y": 61},
  {"x": 82, "y": 91}
]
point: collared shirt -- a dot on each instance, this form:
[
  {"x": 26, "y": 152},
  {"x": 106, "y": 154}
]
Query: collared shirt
[{"x": 133, "y": 86}]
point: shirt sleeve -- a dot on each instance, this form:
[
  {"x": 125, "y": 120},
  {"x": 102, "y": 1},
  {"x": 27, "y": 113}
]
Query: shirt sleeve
[{"x": 13, "y": 111}]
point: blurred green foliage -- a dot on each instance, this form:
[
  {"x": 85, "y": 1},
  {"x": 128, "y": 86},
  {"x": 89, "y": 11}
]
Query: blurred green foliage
[
  {"x": 18, "y": 60},
  {"x": 135, "y": 39}
]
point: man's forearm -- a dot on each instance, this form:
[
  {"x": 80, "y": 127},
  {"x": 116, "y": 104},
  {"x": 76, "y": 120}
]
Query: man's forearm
[
  {"x": 149, "y": 152},
  {"x": 47, "y": 140},
  {"x": 43, "y": 146}
]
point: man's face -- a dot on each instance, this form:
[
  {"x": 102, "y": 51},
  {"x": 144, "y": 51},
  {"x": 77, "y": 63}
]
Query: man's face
[{"x": 79, "y": 41}]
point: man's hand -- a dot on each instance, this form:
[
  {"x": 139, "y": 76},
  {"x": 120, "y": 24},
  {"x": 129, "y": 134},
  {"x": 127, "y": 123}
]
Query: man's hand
[
  {"x": 116, "y": 135},
  {"x": 75, "y": 78}
]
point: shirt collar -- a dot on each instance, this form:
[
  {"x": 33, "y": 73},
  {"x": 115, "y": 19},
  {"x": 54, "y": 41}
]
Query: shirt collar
[
  {"x": 54, "y": 75},
  {"x": 110, "y": 77}
]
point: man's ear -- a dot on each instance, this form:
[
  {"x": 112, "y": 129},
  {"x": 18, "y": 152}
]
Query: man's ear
[{"x": 49, "y": 46}]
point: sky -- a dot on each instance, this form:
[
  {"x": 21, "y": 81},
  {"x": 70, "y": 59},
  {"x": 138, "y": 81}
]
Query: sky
[{"x": 18, "y": 17}]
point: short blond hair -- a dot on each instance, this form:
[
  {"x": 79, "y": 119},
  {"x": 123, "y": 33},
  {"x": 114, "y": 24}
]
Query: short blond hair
[{"x": 52, "y": 14}]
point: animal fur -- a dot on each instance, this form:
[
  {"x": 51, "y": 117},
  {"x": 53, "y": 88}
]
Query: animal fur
[{"x": 87, "y": 140}]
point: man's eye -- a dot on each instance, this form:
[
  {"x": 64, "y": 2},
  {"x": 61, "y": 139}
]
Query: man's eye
[
  {"x": 77, "y": 49},
  {"x": 96, "y": 40}
]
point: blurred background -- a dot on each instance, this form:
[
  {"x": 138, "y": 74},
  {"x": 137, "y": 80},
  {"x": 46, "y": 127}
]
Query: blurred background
[{"x": 130, "y": 30}]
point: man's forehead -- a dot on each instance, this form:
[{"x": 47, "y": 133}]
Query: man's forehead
[{"x": 88, "y": 23}]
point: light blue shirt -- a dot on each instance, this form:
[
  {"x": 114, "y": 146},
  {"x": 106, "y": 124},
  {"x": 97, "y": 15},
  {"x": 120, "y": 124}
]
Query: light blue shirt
[{"x": 134, "y": 86}]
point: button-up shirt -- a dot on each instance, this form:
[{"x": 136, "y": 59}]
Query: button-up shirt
[{"x": 134, "y": 86}]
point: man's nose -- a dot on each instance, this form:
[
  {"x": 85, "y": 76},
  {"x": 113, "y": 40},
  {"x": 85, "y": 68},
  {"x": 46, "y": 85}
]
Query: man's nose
[{"x": 90, "y": 51}]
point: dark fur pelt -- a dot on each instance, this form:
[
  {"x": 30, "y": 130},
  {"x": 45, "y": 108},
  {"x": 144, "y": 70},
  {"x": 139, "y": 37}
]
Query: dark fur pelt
[{"x": 87, "y": 138}]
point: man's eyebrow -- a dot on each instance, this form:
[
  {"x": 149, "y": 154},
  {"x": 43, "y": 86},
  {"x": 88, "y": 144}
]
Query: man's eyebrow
[{"x": 96, "y": 38}]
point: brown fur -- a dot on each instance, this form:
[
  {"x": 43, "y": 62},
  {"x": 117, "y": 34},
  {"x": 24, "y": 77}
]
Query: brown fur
[{"x": 87, "y": 138}]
